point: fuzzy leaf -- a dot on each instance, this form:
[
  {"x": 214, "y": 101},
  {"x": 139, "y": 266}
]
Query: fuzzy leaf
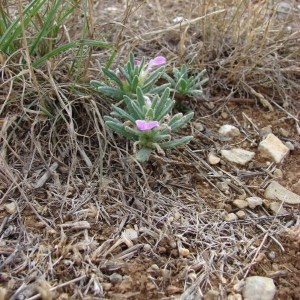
[
  {"x": 182, "y": 121},
  {"x": 176, "y": 143}
]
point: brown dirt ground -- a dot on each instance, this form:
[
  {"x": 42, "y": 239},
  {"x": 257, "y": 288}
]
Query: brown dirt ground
[{"x": 179, "y": 209}]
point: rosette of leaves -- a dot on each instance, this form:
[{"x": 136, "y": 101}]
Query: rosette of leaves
[
  {"x": 184, "y": 84},
  {"x": 132, "y": 75},
  {"x": 148, "y": 123}
]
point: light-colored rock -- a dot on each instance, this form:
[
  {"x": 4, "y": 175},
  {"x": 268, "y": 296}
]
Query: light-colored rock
[
  {"x": 259, "y": 288},
  {"x": 240, "y": 203},
  {"x": 241, "y": 214},
  {"x": 290, "y": 146},
  {"x": 254, "y": 201},
  {"x": 238, "y": 155},
  {"x": 277, "y": 208},
  {"x": 278, "y": 173},
  {"x": 229, "y": 131},
  {"x": 10, "y": 207},
  {"x": 198, "y": 126},
  {"x": 265, "y": 131},
  {"x": 212, "y": 295},
  {"x": 273, "y": 148},
  {"x": 213, "y": 159},
  {"x": 296, "y": 187},
  {"x": 283, "y": 132},
  {"x": 222, "y": 186},
  {"x": 234, "y": 297},
  {"x": 231, "y": 217},
  {"x": 275, "y": 191}
]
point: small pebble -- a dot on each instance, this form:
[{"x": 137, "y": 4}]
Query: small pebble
[
  {"x": 10, "y": 207},
  {"x": 231, "y": 217},
  {"x": 278, "y": 173},
  {"x": 271, "y": 254},
  {"x": 222, "y": 186},
  {"x": 184, "y": 252},
  {"x": 283, "y": 132},
  {"x": 240, "y": 203},
  {"x": 241, "y": 214},
  {"x": 213, "y": 159},
  {"x": 254, "y": 201}
]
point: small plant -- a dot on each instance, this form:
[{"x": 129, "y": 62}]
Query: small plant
[
  {"x": 134, "y": 74},
  {"x": 148, "y": 123},
  {"x": 186, "y": 85}
]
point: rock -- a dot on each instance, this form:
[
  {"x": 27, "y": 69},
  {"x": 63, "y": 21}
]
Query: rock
[
  {"x": 284, "y": 132},
  {"x": 259, "y": 288},
  {"x": 237, "y": 155},
  {"x": 296, "y": 187},
  {"x": 212, "y": 295},
  {"x": 254, "y": 201},
  {"x": 278, "y": 173},
  {"x": 234, "y": 297},
  {"x": 283, "y": 7},
  {"x": 275, "y": 191},
  {"x": 241, "y": 214},
  {"x": 290, "y": 146},
  {"x": 231, "y": 217},
  {"x": 229, "y": 131},
  {"x": 10, "y": 207},
  {"x": 222, "y": 186},
  {"x": 213, "y": 159},
  {"x": 240, "y": 203},
  {"x": 198, "y": 126},
  {"x": 115, "y": 278},
  {"x": 265, "y": 131},
  {"x": 277, "y": 208},
  {"x": 273, "y": 148},
  {"x": 224, "y": 115}
]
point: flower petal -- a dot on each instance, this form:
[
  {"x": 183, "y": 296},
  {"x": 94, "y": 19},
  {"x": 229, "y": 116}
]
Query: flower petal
[
  {"x": 144, "y": 125},
  {"x": 137, "y": 62},
  {"x": 159, "y": 60}
]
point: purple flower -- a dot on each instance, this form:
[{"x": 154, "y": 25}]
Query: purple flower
[
  {"x": 144, "y": 125},
  {"x": 137, "y": 62},
  {"x": 159, "y": 60}
]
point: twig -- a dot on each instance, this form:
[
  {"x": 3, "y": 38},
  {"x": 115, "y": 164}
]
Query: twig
[{"x": 59, "y": 286}]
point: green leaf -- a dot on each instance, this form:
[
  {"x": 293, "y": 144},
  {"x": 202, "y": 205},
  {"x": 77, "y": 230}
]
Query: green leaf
[
  {"x": 122, "y": 113},
  {"x": 111, "y": 92},
  {"x": 182, "y": 121},
  {"x": 143, "y": 154},
  {"x": 112, "y": 75},
  {"x": 176, "y": 143},
  {"x": 68, "y": 46},
  {"x": 120, "y": 129}
]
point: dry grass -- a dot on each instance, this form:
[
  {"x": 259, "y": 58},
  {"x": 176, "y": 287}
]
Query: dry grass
[{"x": 74, "y": 185}]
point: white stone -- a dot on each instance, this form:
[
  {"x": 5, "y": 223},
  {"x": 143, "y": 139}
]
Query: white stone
[
  {"x": 240, "y": 203},
  {"x": 273, "y": 148},
  {"x": 241, "y": 214},
  {"x": 275, "y": 191},
  {"x": 237, "y": 155},
  {"x": 231, "y": 217},
  {"x": 277, "y": 208},
  {"x": 222, "y": 186},
  {"x": 10, "y": 207},
  {"x": 265, "y": 131},
  {"x": 259, "y": 288},
  {"x": 284, "y": 132},
  {"x": 254, "y": 201},
  {"x": 229, "y": 131},
  {"x": 213, "y": 159}
]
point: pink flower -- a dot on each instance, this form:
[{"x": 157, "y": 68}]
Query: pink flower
[
  {"x": 159, "y": 60},
  {"x": 144, "y": 125},
  {"x": 137, "y": 62}
]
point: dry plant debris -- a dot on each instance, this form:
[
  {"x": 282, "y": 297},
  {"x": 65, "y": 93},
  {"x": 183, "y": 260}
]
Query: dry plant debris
[{"x": 81, "y": 219}]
